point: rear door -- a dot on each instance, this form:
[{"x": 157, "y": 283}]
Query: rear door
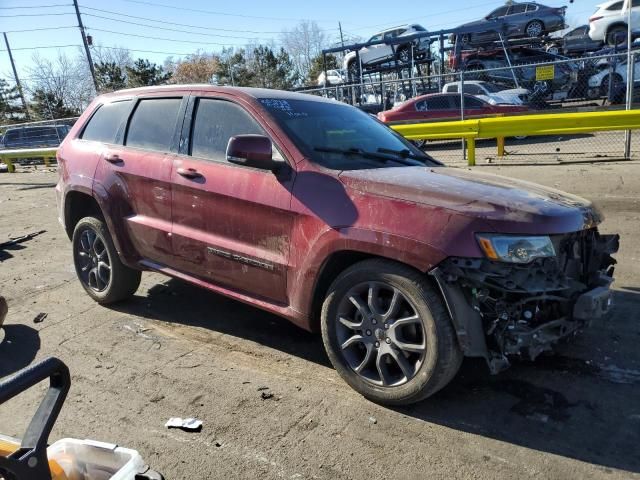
[
  {"x": 374, "y": 53},
  {"x": 136, "y": 174},
  {"x": 231, "y": 224}
]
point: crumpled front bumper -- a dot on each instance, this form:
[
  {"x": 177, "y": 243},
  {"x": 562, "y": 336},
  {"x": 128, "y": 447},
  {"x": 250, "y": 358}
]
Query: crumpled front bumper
[{"x": 502, "y": 310}]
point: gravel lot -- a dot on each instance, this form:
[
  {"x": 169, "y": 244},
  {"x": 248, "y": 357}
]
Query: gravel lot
[{"x": 176, "y": 350}]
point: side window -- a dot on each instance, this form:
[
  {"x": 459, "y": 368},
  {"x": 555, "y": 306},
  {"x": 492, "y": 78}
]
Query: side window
[
  {"x": 616, "y": 6},
  {"x": 439, "y": 103},
  {"x": 518, "y": 8},
  {"x": 635, "y": 3},
  {"x": 153, "y": 124},
  {"x": 500, "y": 12},
  {"x": 421, "y": 106},
  {"x": 473, "y": 89},
  {"x": 375, "y": 38},
  {"x": 12, "y": 136},
  {"x": 105, "y": 123},
  {"x": 453, "y": 88},
  {"x": 532, "y": 7},
  {"x": 470, "y": 102},
  {"x": 216, "y": 121}
]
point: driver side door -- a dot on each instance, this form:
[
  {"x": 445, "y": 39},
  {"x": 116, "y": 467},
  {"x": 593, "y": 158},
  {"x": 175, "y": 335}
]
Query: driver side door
[{"x": 231, "y": 223}]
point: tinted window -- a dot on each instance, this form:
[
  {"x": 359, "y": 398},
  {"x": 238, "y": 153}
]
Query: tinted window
[
  {"x": 153, "y": 124},
  {"x": 11, "y": 136},
  {"x": 104, "y": 124},
  {"x": 375, "y": 38},
  {"x": 419, "y": 28},
  {"x": 473, "y": 89},
  {"x": 615, "y": 6},
  {"x": 452, "y": 88},
  {"x": 635, "y": 3},
  {"x": 500, "y": 12},
  {"x": 470, "y": 102},
  {"x": 216, "y": 122},
  {"x": 438, "y": 103},
  {"x": 515, "y": 9},
  {"x": 532, "y": 7}
]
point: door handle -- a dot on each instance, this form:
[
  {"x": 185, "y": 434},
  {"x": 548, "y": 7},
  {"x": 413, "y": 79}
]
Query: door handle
[
  {"x": 189, "y": 172},
  {"x": 114, "y": 158}
]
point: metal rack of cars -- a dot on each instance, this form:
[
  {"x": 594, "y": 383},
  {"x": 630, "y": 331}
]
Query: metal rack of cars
[{"x": 514, "y": 55}]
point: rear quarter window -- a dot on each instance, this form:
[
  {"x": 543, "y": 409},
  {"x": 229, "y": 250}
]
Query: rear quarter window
[{"x": 105, "y": 123}]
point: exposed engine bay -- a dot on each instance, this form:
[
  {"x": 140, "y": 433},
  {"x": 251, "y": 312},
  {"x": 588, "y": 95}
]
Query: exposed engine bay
[{"x": 502, "y": 309}]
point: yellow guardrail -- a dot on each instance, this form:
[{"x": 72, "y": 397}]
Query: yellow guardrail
[
  {"x": 522, "y": 125},
  {"x": 8, "y": 156}
]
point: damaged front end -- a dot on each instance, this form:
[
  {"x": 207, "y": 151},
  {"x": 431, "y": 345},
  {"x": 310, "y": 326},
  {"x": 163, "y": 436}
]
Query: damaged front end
[{"x": 502, "y": 309}]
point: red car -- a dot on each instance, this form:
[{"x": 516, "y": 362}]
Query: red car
[
  {"x": 436, "y": 106},
  {"x": 313, "y": 210}
]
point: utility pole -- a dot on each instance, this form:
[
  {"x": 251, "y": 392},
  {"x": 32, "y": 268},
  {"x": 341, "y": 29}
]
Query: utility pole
[
  {"x": 341, "y": 37},
  {"x": 86, "y": 45},
  {"x": 15, "y": 76}
]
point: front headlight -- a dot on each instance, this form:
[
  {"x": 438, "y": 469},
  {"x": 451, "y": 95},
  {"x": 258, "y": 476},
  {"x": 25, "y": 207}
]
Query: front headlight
[{"x": 515, "y": 249}]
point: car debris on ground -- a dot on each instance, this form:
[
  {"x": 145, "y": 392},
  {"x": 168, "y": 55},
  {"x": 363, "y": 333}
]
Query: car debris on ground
[
  {"x": 186, "y": 424},
  {"x": 23, "y": 238}
]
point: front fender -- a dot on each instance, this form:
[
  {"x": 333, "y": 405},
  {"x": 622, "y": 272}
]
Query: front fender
[{"x": 307, "y": 264}]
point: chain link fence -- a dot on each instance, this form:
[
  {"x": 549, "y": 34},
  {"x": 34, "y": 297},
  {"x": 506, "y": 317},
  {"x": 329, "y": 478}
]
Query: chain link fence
[
  {"x": 33, "y": 135},
  {"x": 484, "y": 83}
]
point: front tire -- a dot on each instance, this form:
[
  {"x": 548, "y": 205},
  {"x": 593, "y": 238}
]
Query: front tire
[
  {"x": 388, "y": 334},
  {"x": 103, "y": 276}
]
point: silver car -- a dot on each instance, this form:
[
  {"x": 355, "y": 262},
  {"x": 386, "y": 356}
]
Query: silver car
[
  {"x": 529, "y": 20},
  {"x": 380, "y": 53}
]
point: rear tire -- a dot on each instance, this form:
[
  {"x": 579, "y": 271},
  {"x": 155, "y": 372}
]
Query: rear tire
[
  {"x": 617, "y": 35},
  {"x": 388, "y": 334},
  {"x": 103, "y": 276},
  {"x": 534, "y": 29}
]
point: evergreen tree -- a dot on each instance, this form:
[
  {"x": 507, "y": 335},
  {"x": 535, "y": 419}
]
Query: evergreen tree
[
  {"x": 10, "y": 106},
  {"x": 110, "y": 77},
  {"x": 144, "y": 73}
]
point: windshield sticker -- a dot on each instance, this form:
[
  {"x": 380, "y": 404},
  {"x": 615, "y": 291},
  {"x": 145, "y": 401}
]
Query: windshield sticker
[{"x": 283, "y": 106}]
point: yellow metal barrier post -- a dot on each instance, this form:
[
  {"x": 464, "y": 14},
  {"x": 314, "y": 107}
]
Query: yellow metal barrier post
[
  {"x": 500, "y": 141},
  {"x": 471, "y": 152}
]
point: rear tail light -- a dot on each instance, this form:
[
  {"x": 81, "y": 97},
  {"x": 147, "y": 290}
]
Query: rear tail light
[{"x": 593, "y": 19}]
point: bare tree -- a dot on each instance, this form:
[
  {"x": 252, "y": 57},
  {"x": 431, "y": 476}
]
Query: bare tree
[
  {"x": 119, "y": 56},
  {"x": 303, "y": 43},
  {"x": 64, "y": 81}
]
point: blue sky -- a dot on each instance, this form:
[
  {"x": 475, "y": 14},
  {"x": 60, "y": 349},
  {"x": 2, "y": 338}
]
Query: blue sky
[{"x": 224, "y": 23}]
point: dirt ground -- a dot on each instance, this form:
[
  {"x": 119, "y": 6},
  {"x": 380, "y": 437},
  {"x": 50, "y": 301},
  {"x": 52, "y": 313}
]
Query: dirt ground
[{"x": 177, "y": 350}]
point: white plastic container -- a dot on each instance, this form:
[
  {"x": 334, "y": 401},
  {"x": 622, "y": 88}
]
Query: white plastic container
[{"x": 91, "y": 460}]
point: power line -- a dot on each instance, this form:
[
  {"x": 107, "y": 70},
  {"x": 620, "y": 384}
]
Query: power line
[
  {"x": 39, "y": 29},
  {"x": 44, "y": 46},
  {"x": 174, "y": 23},
  {"x": 38, "y": 6},
  {"x": 212, "y": 12},
  {"x": 35, "y": 15},
  {"x": 159, "y": 38},
  {"x": 436, "y": 14},
  {"x": 169, "y": 29}
]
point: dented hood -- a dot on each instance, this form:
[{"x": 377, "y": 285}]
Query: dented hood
[{"x": 505, "y": 204}]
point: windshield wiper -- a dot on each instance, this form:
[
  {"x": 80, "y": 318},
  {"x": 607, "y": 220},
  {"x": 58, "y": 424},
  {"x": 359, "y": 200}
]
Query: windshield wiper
[
  {"x": 364, "y": 154},
  {"x": 406, "y": 153}
]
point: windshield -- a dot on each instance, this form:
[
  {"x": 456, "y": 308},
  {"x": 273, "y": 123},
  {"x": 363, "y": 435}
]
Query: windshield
[{"x": 324, "y": 131}]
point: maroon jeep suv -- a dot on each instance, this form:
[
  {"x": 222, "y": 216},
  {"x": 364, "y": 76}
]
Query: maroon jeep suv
[{"x": 316, "y": 211}]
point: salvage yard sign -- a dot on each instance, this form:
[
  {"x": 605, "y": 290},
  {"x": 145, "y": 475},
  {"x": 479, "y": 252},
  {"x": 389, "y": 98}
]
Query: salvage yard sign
[{"x": 545, "y": 72}]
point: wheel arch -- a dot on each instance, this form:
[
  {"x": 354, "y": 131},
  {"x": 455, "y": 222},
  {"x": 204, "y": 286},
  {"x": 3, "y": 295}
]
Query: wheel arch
[
  {"x": 336, "y": 263},
  {"x": 77, "y": 205}
]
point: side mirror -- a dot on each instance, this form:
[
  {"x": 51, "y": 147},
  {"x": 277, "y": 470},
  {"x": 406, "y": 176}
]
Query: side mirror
[{"x": 252, "y": 151}]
